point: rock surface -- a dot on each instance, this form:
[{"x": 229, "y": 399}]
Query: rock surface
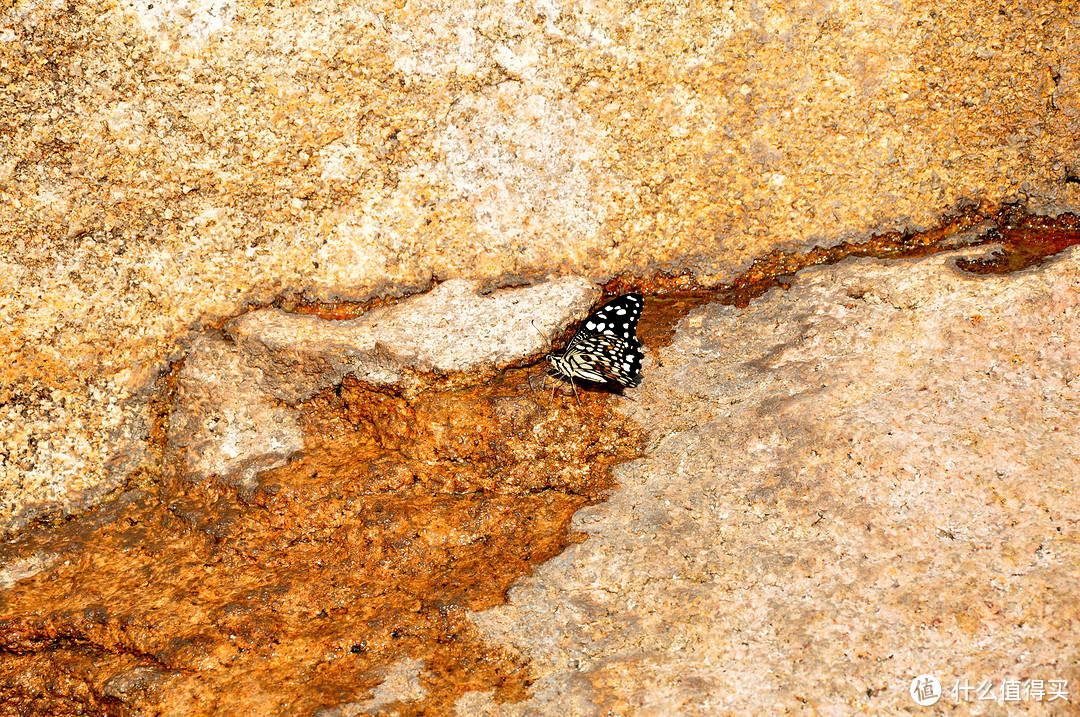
[
  {"x": 872, "y": 476},
  {"x": 451, "y": 331},
  {"x": 166, "y": 164},
  {"x": 234, "y": 412},
  {"x": 224, "y": 423},
  {"x": 340, "y": 585},
  {"x": 63, "y": 449},
  {"x": 401, "y": 684},
  {"x": 865, "y": 478}
]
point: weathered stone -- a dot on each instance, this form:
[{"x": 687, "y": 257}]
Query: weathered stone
[
  {"x": 234, "y": 416},
  {"x": 137, "y": 680},
  {"x": 62, "y": 450},
  {"x": 869, "y": 477},
  {"x": 223, "y": 423},
  {"x": 166, "y": 164},
  {"x": 451, "y": 330},
  {"x": 342, "y": 583},
  {"x": 400, "y": 684},
  {"x": 23, "y": 568}
]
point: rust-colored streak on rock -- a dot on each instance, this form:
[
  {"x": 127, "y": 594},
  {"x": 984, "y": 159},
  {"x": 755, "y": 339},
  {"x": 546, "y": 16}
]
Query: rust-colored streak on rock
[
  {"x": 337, "y": 310},
  {"x": 1026, "y": 241},
  {"x": 678, "y": 294},
  {"x": 400, "y": 516}
]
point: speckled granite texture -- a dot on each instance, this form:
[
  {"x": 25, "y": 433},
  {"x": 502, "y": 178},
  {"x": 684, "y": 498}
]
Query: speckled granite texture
[
  {"x": 162, "y": 164},
  {"x": 235, "y": 409},
  {"x": 869, "y": 477}
]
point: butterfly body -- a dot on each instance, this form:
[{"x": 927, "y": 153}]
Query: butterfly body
[{"x": 605, "y": 348}]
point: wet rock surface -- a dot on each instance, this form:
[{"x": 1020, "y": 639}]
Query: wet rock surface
[
  {"x": 337, "y": 586},
  {"x": 839, "y": 486},
  {"x": 234, "y": 412},
  {"x": 871, "y": 476}
]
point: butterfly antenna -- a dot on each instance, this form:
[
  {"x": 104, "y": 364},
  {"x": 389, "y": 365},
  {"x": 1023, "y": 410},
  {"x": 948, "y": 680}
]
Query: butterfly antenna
[{"x": 542, "y": 334}]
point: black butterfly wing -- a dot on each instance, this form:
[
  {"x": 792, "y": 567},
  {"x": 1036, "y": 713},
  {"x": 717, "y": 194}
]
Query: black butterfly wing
[
  {"x": 605, "y": 348},
  {"x": 617, "y": 318}
]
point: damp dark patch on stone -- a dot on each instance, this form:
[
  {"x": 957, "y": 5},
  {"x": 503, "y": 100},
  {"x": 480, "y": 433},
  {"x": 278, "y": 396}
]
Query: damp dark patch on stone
[
  {"x": 399, "y": 517},
  {"x": 1020, "y": 241},
  {"x": 1025, "y": 241}
]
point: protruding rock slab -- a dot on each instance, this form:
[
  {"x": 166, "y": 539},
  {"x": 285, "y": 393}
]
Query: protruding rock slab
[
  {"x": 234, "y": 414},
  {"x": 869, "y": 477},
  {"x": 451, "y": 331},
  {"x": 224, "y": 422}
]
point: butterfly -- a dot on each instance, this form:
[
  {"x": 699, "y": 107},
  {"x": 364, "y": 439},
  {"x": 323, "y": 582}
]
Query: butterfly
[{"x": 604, "y": 349}]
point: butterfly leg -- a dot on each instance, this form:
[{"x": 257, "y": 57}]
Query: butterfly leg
[
  {"x": 555, "y": 387},
  {"x": 543, "y": 381}
]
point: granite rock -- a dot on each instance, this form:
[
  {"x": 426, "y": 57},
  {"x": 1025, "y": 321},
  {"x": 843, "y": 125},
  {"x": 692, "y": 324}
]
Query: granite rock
[
  {"x": 867, "y": 478},
  {"x": 61, "y": 450},
  {"x": 401, "y": 683},
  {"x": 235, "y": 414},
  {"x": 223, "y": 423},
  {"x": 164, "y": 165},
  {"x": 452, "y": 332}
]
